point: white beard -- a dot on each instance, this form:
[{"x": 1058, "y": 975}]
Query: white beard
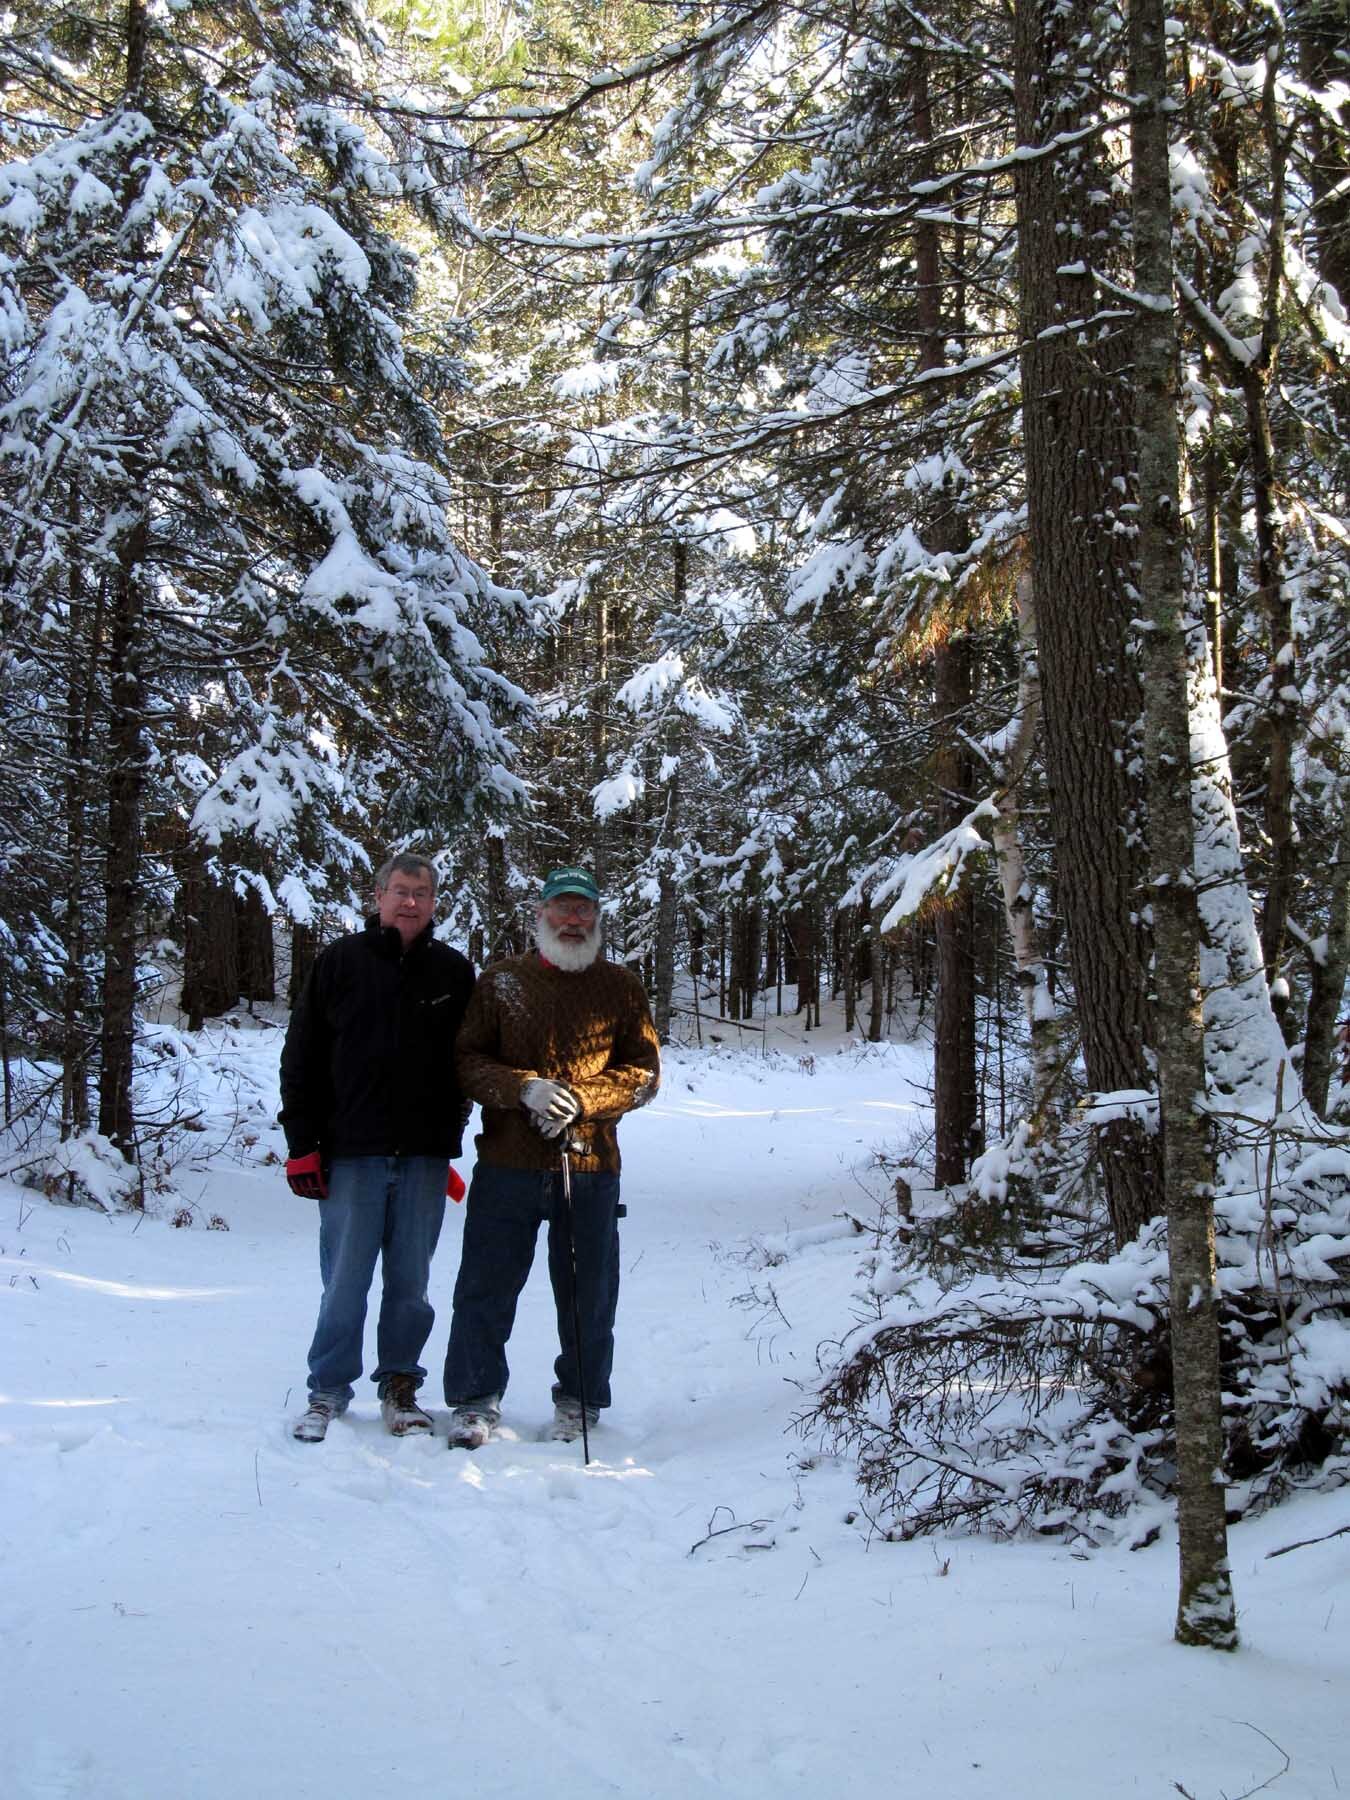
[{"x": 562, "y": 952}]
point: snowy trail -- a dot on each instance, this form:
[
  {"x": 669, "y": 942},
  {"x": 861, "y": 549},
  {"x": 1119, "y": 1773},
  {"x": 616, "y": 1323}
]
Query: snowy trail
[{"x": 195, "y": 1605}]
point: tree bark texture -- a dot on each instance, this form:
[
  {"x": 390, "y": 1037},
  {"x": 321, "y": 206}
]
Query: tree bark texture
[
  {"x": 5, "y": 1074},
  {"x": 876, "y": 958},
  {"x": 698, "y": 935},
  {"x": 126, "y": 783},
  {"x": 304, "y": 948},
  {"x": 1323, "y": 31},
  {"x": 743, "y": 983},
  {"x": 955, "y": 1090},
  {"x": 210, "y": 940},
  {"x": 1206, "y": 1614},
  {"x": 600, "y": 701},
  {"x": 667, "y": 926},
  {"x": 1030, "y": 959},
  {"x": 77, "y": 1031},
  {"x": 807, "y": 956},
  {"x": 127, "y": 753},
  {"x": 257, "y": 951},
  {"x": 1331, "y": 963},
  {"x": 1282, "y": 702},
  {"x": 1079, "y": 459},
  {"x": 848, "y": 973},
  {"x": 955, "y": 1085}
]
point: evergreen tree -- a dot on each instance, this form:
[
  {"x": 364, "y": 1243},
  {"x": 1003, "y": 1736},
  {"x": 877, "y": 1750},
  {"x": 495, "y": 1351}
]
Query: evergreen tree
[{"x": 222, "y": 483}]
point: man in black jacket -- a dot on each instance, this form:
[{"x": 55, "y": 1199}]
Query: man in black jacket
[{"x": 373, "y": 1114}]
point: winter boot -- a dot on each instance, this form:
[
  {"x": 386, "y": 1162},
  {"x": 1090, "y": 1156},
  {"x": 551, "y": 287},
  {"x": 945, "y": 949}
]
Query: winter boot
[
  {"x": 473, "y": 1423},
  {"x": 399, "y": 1408},
  {"x": 566, "y": 1426},
  {"x": 312, "y": 1425}
]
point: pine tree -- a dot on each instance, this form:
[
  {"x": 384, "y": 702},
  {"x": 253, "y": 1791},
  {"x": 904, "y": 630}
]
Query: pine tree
[{"x": 221, "y": 482}]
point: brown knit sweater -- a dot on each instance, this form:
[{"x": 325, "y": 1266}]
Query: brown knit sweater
[{"x": 591, "y": 1029}]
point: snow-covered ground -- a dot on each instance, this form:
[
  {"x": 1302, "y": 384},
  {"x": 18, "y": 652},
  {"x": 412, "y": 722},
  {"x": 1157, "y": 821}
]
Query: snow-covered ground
[{"x": 195, "y": 1605}]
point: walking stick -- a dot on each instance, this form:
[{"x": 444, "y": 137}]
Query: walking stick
[{"x": 576, "y": 1305}]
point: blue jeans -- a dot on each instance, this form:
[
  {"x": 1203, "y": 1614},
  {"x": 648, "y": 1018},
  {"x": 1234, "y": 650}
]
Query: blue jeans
[
  {"x": 378, "y": 1207},
  {"x": 505, "y": 1209}
]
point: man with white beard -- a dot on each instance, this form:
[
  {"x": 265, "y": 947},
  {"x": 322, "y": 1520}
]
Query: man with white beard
[{"x": 556, "y": 1047}]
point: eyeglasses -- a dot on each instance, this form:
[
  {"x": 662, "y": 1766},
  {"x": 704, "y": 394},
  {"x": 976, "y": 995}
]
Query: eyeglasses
[{"x": 572, "y": 908}]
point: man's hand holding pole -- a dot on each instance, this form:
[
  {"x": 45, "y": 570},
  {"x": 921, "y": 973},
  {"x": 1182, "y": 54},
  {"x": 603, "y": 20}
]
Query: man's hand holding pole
[{"x": 552, "y": 1106}]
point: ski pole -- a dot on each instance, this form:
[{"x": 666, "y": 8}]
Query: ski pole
[{"x": 576, "y": 1304}]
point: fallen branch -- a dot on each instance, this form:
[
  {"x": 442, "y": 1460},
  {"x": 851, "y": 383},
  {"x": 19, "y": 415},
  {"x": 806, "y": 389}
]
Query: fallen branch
[
  {"x": 1261, "y": 1786},
  {"x": 724, "y": 1530},
  {"x": 1303, "y": 1543}
]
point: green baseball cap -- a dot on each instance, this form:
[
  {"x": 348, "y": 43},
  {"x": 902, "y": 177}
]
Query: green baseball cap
[{"x": 570, "y": 881}]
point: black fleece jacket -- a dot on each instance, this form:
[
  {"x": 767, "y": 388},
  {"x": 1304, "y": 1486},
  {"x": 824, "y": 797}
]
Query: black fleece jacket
[{"x": 368, "y": 1066}]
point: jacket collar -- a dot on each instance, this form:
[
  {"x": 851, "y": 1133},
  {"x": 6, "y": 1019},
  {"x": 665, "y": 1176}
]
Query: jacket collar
[{"x": 386, "y": 940}]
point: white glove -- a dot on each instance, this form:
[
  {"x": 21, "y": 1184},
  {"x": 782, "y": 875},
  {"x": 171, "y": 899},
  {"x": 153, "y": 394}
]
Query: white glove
[{"x": 553, "y": 1105}]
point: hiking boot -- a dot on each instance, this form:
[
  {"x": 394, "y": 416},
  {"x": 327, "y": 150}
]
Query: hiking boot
[
  {"x": 473, "y": 1423},
  {"x": 312, "y": 1425},
  {"x": 399, "y": 1408},
  {"x": 566, "y": 1426}
]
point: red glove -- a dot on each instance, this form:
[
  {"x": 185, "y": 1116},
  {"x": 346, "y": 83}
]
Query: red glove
[
  {"x": 454, "y": 1185},
  {"x": 304, "y": 1176}
]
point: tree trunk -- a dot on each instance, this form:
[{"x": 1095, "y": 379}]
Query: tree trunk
[
  {"x": 751, "y": 956},
  {"x": 667, "y": 918},
  {"x": 257, "y": 952},
  {"x": 1205, "y": 1613},
  {"x": 1077, "y": 419},
  {"x": 1331, "y": 961},
  {"x": 600, "y": 699},
  {"x": 126, "y": 785},
  {"x": 698, "y": 932},
  {"x": 956, "y": 1099},
  {"x": 807, "y": 945},
  {"x": 210, "y": 941},
  {"x": 4, "y": 1045},
  {"x": 501, "y": 933},
  {"x": 76, "y": 1025},
  {"x": 847, "y": 924},
  {"x": 878, "y": 974},
  {"x": 1030, "y": 958},
  {"x": 736, "y": 932},
  {"x": 956, "y": 1091},
  {"x": 1282, "y": 706},
  {"x": 127, "y": 756},
  {"x": 668, "y": 825},
  {"x": 304, "y": 948},
  {"x": 667, "y": 924},
  {"x": 722, "y": 963},
  {"x": 1323, "y": 28}
]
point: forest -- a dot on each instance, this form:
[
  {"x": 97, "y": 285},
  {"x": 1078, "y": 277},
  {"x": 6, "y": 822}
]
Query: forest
[{"x": 874, "y": 483}]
